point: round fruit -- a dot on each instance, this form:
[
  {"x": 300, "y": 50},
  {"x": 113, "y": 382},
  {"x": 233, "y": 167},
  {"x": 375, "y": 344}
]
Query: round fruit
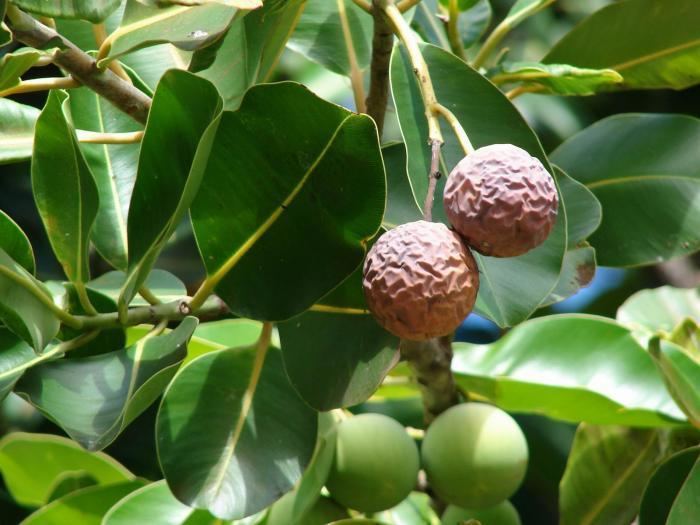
[
  {"x": 420, "y": 281},
  {"x": 501, "y": 200},
  {"x": 474, "y": 455},
  {"x": 502, "y": 514},
  {"x": 376, "y": 463}
]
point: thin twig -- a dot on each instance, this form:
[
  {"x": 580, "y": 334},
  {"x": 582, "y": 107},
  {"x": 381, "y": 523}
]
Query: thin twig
[
  {"x": 521, "y": 90},
  {"x": 433, "y": 177},
  {"x": 453, "y": 30},
  {"x": 356, "y": 77},
  {"x": 363, "y": 4},
  {"x": 456, "y": 127},
  {"x": 94, "y": 137},
  {"x": 100, "y": 33},
  {"x": 382, "y": 45},
  {"x": 84, "y": 299},
  {"x": 405, "y": 5},
  {"x": 40, "y": 84},
  {"x": 148, "y": 295}
]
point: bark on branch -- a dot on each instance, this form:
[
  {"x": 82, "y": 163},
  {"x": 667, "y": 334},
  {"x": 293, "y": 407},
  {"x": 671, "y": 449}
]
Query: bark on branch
[{"x": 382, "y": 44}]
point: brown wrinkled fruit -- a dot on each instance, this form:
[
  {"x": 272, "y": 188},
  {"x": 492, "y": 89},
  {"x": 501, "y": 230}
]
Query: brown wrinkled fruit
[
  {"x": 501, "y": 200},
  {"x": 420, "y": 280}
]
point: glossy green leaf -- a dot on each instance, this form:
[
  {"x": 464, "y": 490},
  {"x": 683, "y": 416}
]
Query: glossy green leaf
[
  {"x": 569, "y": 367},
  {"x": 511, "y": 289},
  {"x": 577, "y": 272},
  {"x": 259, "y": 434},
  {"x": 607, "y": 470},
  {"x": 114, "y": 169},
  {"x": 5, "y": 36},
  {"x": 15, "y": 243},
  {"x": 21, "y": 311},
  {"x": 70, "y": 482},
  {"x": 473, "y": 21},
  {"x": 183, "y": 119},
  {"x": 645, "y": 174},
  {"x": 673, "y": 493},
  {"x": 401, "y": 206},
  {"x": 86, "y": 506},
  {"x": 241, "y": 4},
  {"x": 557, "y": 79},
  {"x": 14, "y": 65},
  {"x": 583, "y": 211},
  {"x": 16, "y": 131},
  {"x": 94, "y": 398},
  {"x": 31, "y": 464},
  {"x": 249, "y": 51},
  {"x": 227, "y": 333},
  {"x": 164, "y": 285},
  {"x": 659, "y": 309},
  {"x": 651, "y": 44},
  {"x": 285, "y": 168},
  {"x": 320, "y": 35},
  {"x": 155, "y": 504},
  {"x": 187, "y": 28},
  {"x": 93, "y": 10},
  {"x": 415, "y": 510},
  {"x": 64, "y": 188},
  {"x": 15, "y": 357}
]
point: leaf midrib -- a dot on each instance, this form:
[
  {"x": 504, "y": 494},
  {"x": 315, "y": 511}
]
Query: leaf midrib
[{"x": 638, "y": 178}]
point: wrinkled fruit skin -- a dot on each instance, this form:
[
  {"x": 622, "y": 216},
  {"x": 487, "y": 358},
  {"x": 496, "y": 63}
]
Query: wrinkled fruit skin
[
  {"x": 502, "y": 514},
  {"x": 376, "y": 463},
  {"x": 420, "y": 281},
  {"x": 501, "y": 200},
  {"x": 475, "y": 455}
]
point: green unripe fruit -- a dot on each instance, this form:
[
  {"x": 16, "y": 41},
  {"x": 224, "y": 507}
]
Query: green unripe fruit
[
  {"x": 376, "y": 463},
  {"x": 474, "y": 455},
  {"x": 502, "y": 514}
]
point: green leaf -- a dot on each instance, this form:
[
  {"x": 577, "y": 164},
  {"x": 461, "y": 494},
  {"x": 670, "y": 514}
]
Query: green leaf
[
  {"x": 162, "y": 284},
  {"x": 93, "y": 10},
  {"x": 414, "y": 510},
  {"x": 15, "y": 243},
  {"x": 64, "y": 188},
  {"x": 94, "y": 398},
  {"x": 14, "y": 65},
  {"x": 607, "y": 470},
  {"x": 31, "y": 464},
  {"x": 70, "y": 482},
  {"x": 577, "y": 272},
  {"x": 660, "y": 309},
  {"x": 187, "y": 28},
  {"x": 316, "y": 174},
  {"x": 401, "y": 206},
  {"x": 671, "y": 497},
  {"x": 21, "y": 311},
  {"x": 320, "y": 35},
  {"x": 154, "y": 503},
  {"x": 569, "y": 367},
  {"x": 16, "y": 131},
  {"x": 462, "y": 5},
  {"x": 114, "y": 169},
  {"x": 183, "y": 119},
  {"x": 86, "y": 506},
  {"x": 15, "y": 357},
  {"x": 5, "y": 36},
  {"x": 259, "y": 434},
  {"x": 557, "y": 79},
  {"x": 645, "y": 175},
  {"x": 249, "y": 51},
  {"x": 241, "y": 4},
  {"x": 227, "y": 333},
  {"x": 511, "y": 289},
  {"x": 652, "y": 44},
  {"x": 474, "y": 22}
]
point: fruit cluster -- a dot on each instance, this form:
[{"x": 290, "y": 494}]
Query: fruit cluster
[
  {"x": 474, "y": 456},
  {"x": 421, "y": 280}
]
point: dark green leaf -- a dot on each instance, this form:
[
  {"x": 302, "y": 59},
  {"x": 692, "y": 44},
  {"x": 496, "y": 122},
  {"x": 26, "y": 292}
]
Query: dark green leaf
[
  {"x": 652, "y": 44},
  {"x": 673, "y": 493},
  {"x": 14, "y": 65},
  {"x": 15, "y": 357},
  {"x": 249, "y": 51},
  {"x": 15, "y": 243},
  {"x": 31, "y": 464},
  {"x": 93, "y": 10},
  {"x": 569, "y": 367},
  {"x": 583, "y": 211},
  {"x": 5, "y": 36},
  {"x": 162, "y": 284},
  {"x": 94, "y": 398},
  {"x": 607, "y": 471},
  {"x": 511, "y": 289},
  {"x": 86, "y": 507},
  {"x": 644, "y": 171},
  {"x": 558, "y": 79},
  {"x": 293, "y": 190},
  {"x": 462, "y": 5},
  {"x": 577, "y": 272},
  {"x": 64, "y": 188},
  {"x": 259, "y": 434},
  {"x": 16, "y": 131},
  {"x": 21, "y": 310},
  {"x": 182, "y": 121},
  {"x": 473, "y": 21},
  {"x": 401, "y": 206},
  {"x": 70, "y": 482}
]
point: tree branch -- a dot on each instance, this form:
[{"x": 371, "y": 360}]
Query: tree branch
[
  {"x": 433, "y": 177},
  {"x": 382, "y": 44},
  {"x": 79, "y": 64},
  {"x": 453, "y": 30},
  {"x": 430, "y": 361},
  {"x": 356, "y": 77}
]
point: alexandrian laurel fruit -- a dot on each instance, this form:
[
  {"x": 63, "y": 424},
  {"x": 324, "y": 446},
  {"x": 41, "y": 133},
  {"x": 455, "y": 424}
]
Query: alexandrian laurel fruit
[
  {"x": 502, "y": 514},
  {"x": 376, "y": 463},
  {"x": 501, "y": 200},
  {"x": 474, "y": 455},
  {"x": 420, "y": 281}
]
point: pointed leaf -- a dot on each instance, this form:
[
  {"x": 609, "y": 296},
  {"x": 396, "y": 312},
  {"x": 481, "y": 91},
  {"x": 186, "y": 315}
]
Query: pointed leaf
[
  {"x": 511, "y": 289},
  {"x": 552, "y": 366},
  {"x": 259, "y": 434},
  {"x": 21, "y": 311},
  {"x": 14, "y": 65},
  {"x": 31, "y": 464},
  {"x": 162, "y": 284},
  {"x": 652, "y": 44},
  {"x": 183, "y": 119},
  {"x": 558, "y": 79},
  {"x": 16, "y": 131},
  {"x": 648, "y": 182},
  {"x": 681, "y": 373},
  {"x": 15, "y": 243},
  {"x": 64, "y": 188},
  {"x": 93, "y": 10},
  {"x": 317, "y": 173},
  {"x": 94, "y": 398}
]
